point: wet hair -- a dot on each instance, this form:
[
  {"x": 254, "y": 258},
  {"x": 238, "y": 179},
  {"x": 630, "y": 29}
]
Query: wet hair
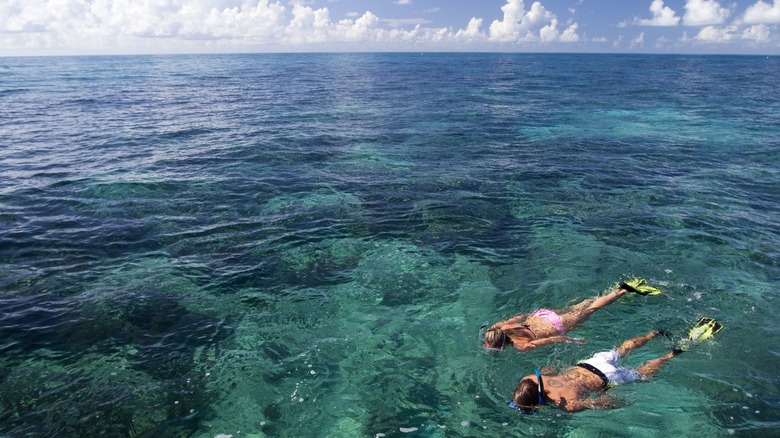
[
  {"x": 495, "y": 338},
  {"x": 526, "y": 393}
]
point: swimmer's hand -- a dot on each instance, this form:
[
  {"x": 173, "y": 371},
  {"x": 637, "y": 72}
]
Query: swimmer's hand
[{"x": 545, "y": 341}]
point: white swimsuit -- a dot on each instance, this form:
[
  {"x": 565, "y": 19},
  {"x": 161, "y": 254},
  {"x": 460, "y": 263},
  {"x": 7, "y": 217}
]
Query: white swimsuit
[{"x": 607, "y": 363}]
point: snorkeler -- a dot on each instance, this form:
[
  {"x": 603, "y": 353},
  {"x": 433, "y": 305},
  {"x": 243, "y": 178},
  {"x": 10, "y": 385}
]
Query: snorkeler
[
  {"x": 526, "y": 332},
  {"x": 571, "y": 389}
]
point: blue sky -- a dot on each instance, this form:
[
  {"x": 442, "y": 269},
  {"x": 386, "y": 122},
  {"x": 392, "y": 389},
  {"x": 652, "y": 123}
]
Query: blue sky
[{"x": 74, "y": 27}]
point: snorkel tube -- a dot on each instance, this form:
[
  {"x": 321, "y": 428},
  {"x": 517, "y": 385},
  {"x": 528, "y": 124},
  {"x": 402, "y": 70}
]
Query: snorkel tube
[
  {"x": 541, "y": 386},
  {"x": 540, "y": 396}
]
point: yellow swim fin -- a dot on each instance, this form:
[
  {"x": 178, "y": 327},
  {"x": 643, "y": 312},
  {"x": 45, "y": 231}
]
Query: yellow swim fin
[
  {"x": 705, "y": 328},
  {"x": 638, "y": 286}
]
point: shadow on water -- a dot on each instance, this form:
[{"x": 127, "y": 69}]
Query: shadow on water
[{"x": 131, "y": 366}]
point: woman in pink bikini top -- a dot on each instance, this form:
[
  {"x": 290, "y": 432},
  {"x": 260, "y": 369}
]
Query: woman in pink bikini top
[
  {"x": 526, "y": 332},
  {"x": 544, "y": 326}
]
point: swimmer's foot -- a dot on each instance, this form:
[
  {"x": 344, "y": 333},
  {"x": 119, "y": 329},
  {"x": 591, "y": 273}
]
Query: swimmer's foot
[
  {"x": 704, "y": 329},
  {"x": 637, "y": 285}
]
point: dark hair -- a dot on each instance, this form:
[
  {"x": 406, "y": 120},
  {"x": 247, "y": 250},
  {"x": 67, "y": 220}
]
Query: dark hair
[
  {"x": 495, "y": 338},
  {"x": 526, "y": 393}
]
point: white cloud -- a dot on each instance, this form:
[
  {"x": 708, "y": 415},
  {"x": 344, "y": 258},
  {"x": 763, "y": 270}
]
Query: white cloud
[
  {"x": 516, "y": 22},
  {"x": 133, "y": 26},
  {"x": 661, "y": 43},
  {"x": 704, "y": 12},
  {"x": 712, "y": 34},
  {"x": 309, "y": 25},
  {"x": 570, "y": 34},
  {"x": 639, "y": 40},
  {"x": 361, "y": 29},
  {"x": 471, "y": 32},
  {"x": 662, "y": 15},
  {"x": 536, "y": 24},
  {"x": 550, "y": 33},
  {"x": 401, "y": 22},
  {"x": 112, "y": 22},
  {"x": 763, "y": 13},
  {"x": 152, "y": 26},
  {"x": 720, "y": 35},
  {"x": 757, "y": 32}
]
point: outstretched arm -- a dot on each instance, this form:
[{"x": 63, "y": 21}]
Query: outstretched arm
[
  {"x": 604, "y": 401},
  {"x": 551, "y": 340}
]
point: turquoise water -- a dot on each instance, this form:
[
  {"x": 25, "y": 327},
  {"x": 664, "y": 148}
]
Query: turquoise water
[{"x": 307, "y": 245}]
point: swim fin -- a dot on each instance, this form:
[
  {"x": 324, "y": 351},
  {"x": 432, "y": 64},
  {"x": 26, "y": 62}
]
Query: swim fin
[
  {"x": 705, "y": 328},
  {"x": 637, "y": 285}
]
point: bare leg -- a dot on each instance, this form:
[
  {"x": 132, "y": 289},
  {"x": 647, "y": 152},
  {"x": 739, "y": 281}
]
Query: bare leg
[
  {"x": 627, "y": 346},
  {"x": 607, "y": 299},
  {"x": 578, "y": 315},
  {"x": 651, "y": 367}
]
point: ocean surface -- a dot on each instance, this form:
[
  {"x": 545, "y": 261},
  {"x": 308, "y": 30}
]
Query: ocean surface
[{"x": 306, "y": 245}]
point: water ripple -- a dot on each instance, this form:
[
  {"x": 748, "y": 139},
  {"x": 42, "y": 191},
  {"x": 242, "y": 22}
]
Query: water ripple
[{"x": 184, "y": 240}]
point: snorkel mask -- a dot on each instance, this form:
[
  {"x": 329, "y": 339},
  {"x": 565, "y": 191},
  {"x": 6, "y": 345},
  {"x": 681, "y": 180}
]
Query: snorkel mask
[
  {"x": 540, "y": 400},
  {"x": 482, "y": 332}
]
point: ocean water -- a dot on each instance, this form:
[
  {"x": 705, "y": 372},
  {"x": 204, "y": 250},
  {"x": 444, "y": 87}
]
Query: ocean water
[{"x": 306, "y": 245}]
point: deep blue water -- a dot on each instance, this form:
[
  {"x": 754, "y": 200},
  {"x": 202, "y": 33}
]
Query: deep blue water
[{"x": 306, "y": 245}]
